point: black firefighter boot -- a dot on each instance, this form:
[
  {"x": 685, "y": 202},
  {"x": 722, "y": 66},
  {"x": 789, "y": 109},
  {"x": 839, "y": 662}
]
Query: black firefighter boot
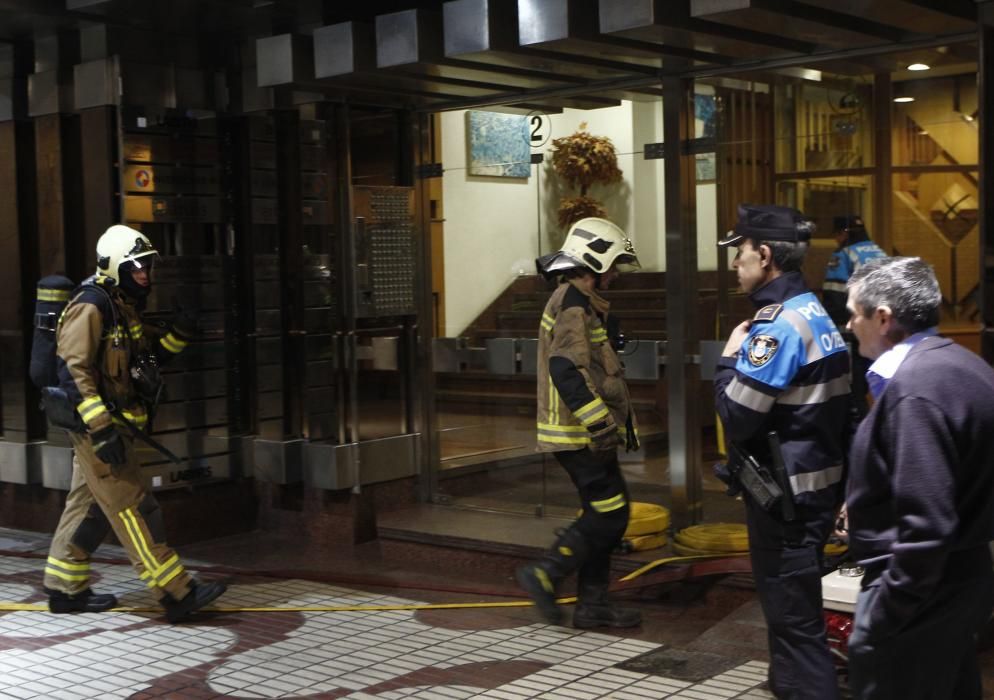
[
  {"x": 594, "y": 608},
  {"x": 84, "y": 601},
  {"x": 540, "y": 579},
  {"x": 200, "y": 595}
]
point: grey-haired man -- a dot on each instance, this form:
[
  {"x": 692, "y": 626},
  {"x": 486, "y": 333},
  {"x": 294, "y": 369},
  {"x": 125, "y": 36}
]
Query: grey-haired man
[{"x": 920, "y": 495}]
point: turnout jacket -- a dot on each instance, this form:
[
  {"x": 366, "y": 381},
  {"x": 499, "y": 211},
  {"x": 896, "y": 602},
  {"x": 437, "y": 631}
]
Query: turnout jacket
[
  {"x": 920, "y": 494},
  {"x": 843, "y": 263},
  {"x": 100, "y": 336},
  {"x": 791, "y": 376},
  {"x": 580, "y": 382}
]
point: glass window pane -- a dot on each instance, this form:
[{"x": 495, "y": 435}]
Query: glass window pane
[
  {"x": 935, "y": 217},
  {"x": 936, "y": 124},
  {"x": 823, "y": 125}
]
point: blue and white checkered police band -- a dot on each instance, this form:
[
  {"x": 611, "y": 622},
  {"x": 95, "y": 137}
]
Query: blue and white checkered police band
[
  {"x": 846, "y": 261},
  {"x": 792, "y": 368},
  {"x": 761, "y": 349},
  {"x": 800, "y": 333}
]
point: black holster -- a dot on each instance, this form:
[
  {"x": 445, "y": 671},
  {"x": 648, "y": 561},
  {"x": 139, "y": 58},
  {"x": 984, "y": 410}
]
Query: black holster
[{"x": 754, "y": 478}]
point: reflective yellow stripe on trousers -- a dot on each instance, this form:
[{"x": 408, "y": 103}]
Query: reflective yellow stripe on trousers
[
  {"x": 156, "y": 572},
  {"x": 67, "y": 570},
  {"x": 609, "y": 504}
]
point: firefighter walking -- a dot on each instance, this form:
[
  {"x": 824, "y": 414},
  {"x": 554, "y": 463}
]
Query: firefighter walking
[
  {"x": 107, "y": 367},
  {"x": 584, "y": 415}
]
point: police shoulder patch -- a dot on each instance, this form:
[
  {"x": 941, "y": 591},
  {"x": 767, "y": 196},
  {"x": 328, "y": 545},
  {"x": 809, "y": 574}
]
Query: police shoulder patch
[
  {"x": 768, "y": 313},
  {"x": 761, "y": 349}
]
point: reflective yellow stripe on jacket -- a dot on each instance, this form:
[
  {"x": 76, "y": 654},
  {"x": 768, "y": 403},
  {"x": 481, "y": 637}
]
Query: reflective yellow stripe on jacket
[
  {"x": 137, "y": 419},
  {"x": 593, "y": 412},
  {"x": 563, "y": 434},
  {"x": 172, "y": 343},
  {"x": 91, "y": 408}
]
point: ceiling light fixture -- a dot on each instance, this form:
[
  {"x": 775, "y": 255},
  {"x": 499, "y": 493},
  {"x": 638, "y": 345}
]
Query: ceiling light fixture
[
  {"x": 904, "y": 99},
  {"x": 918, "y": 66}
]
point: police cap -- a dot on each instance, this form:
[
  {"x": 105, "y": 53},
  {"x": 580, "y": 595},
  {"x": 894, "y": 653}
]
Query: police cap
[
  {"x": 848, "y": 223},
  {"x": 768, "y": 222}
]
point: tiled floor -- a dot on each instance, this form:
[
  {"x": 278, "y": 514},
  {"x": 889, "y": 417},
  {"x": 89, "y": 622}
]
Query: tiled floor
[{"x": 444, "y": 655}]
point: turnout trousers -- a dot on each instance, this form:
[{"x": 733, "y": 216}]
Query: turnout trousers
[
  {"x": 786, "y": 563},
  {"x": 102, "y": 498},
  {"x": 604, "y": 497}
]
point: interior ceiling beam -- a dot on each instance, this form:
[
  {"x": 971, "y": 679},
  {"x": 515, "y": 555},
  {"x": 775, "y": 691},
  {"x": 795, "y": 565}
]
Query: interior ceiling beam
[
  {"x": 484, "y": 34},
  {"x": 639, "y": 82},
  {"x": 664, "y": 49},
  {"x": 670, "y": 23},
  {"x": 963, "y": 9},
  {"x": 570, "y": 28},
  {"x": 351, "y": 54},
  {"x": 817, "y": 57},
  {"x": 820, "y": 27},
  {"x": 511, "y": 71},
  {"x": 829, "y": 18}
]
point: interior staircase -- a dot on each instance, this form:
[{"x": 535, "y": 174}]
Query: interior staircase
[{"x": 639, "y": 301}]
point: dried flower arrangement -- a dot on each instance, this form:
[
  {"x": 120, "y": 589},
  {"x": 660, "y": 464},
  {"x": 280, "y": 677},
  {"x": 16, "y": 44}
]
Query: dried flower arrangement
[{"x": 582, "y": 160}]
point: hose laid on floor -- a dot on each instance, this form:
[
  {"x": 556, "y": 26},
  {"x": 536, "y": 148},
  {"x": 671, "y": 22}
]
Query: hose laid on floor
[
  {"x": 688, "y": 560},
  {"x": 694, "y": 544}
]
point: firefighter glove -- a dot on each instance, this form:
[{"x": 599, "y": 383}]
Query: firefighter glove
[
  {"x": 108, "y": 445},
  {"x": 604, "y": 436},
  {"x": 184, "y": 322}
]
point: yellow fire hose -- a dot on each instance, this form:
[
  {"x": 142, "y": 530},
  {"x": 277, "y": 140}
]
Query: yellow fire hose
[{"x": 697, "y": 543}]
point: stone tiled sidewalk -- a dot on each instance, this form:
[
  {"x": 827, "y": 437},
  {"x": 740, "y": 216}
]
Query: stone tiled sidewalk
[{"x": 445, "y": 655}]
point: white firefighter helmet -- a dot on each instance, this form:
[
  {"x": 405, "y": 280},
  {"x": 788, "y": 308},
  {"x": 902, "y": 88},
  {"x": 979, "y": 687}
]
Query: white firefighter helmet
[
  {"x": 122, "y": 244},
  {"x": 592, "y": 243}
]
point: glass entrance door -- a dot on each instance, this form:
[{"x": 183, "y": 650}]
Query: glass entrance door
[{"x": 502, "y": 204}]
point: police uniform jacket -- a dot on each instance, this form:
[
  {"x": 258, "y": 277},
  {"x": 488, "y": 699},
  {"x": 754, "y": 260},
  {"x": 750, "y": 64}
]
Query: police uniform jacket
[
  {"x": 843, "y": 263},
  {"x": 99, "y": 337},
  {"x": 920, "y": 495},
  {"x": 580, "y": 382},
  {"x": 791, "y": 376}
]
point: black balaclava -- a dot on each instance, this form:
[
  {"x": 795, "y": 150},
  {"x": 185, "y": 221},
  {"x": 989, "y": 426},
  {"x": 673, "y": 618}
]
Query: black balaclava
[{"x": 127, "y": 282}]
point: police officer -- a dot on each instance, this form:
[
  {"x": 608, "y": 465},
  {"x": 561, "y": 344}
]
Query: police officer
[
  {"x": 855, "y": 250},
  {"x": 584, "y": 415},
  {"x": 787, "y": 370},
  {"x": 106, "y": 359}
]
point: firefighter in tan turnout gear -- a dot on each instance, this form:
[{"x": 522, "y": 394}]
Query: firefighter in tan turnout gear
[
  {"x": 584, "y": 415},
  {"x": 107, "y": 363}
]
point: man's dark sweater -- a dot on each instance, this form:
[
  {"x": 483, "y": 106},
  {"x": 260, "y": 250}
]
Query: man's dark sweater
[{"x": 921, "y": 487}]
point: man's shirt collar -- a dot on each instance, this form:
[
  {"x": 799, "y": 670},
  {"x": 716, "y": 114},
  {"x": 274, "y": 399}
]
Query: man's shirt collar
[{"x": 885, "y": 367}]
